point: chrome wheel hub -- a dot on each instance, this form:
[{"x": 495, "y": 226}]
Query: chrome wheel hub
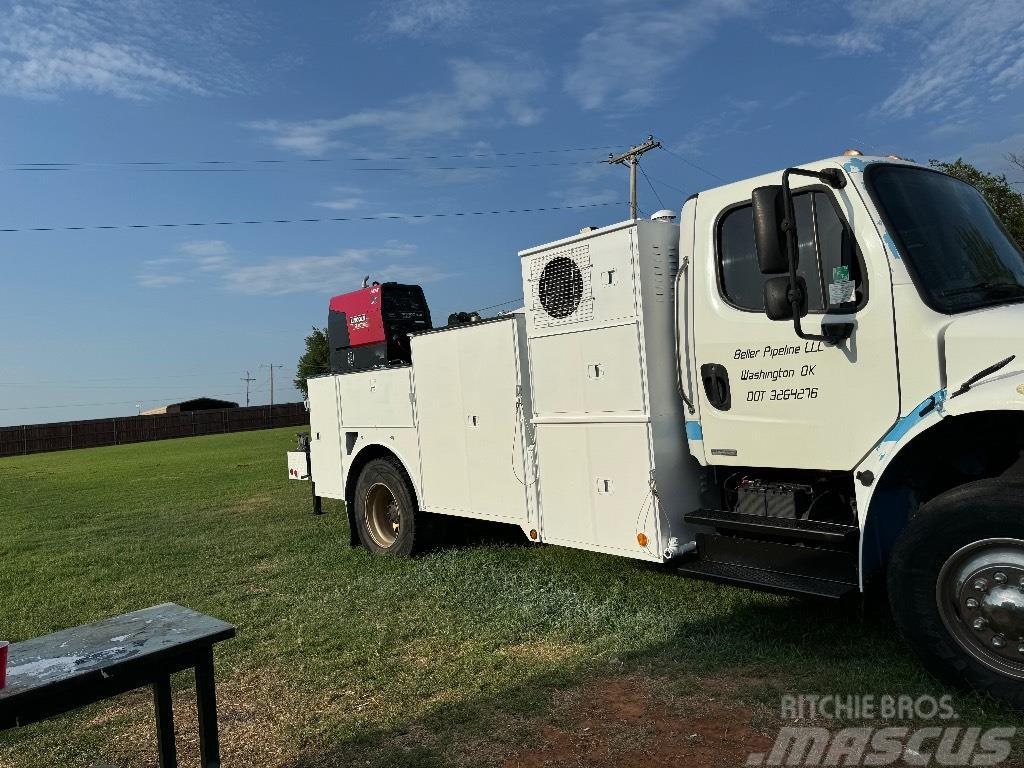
[
  {"x": 382, "y": 514},
  {"x": 980, "y": 594}
]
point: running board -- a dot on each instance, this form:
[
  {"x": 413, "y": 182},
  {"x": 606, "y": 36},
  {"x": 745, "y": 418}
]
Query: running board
[
  {"x": 780, "y": 527},
  {"x": 767, "y": 581}
]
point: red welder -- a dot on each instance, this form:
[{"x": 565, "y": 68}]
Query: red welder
[{"x": 370, "y": 327}]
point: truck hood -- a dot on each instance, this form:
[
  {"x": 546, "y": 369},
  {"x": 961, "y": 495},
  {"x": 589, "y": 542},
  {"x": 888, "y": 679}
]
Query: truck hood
[{"x": 975, "y": 341}]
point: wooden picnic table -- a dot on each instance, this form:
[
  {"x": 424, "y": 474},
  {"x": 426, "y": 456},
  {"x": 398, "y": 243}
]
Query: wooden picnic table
[{"x": 53, "y": 674}]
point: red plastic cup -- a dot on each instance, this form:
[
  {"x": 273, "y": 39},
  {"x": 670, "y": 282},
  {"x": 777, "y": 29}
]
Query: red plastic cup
[{"x": 3, "y": 662}]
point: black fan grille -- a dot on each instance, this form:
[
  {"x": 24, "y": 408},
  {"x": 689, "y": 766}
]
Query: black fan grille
[{"x": 561, "y": 287}]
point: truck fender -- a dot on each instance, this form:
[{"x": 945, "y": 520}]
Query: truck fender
[{"x": 883, "y": 506}]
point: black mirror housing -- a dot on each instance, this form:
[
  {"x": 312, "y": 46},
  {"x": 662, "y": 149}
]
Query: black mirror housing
[
  {"x": 777, "y": 300},
  {"x": 770, "y": 240}
]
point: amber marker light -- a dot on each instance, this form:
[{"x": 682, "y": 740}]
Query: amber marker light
[
  {"x": 641, "y": 539},
  {"x": 533, "y": 534}
]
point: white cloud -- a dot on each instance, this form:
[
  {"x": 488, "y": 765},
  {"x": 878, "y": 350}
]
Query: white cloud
[
  {"x": 846, "y": 43},
  {"x": 204, "y": 247},
  {"x": 294, "y": 274},
  {"x": 587, "y": 195},
  {"x": 625, "y": 59},
  {"x": 419, "y": 18},
  {"x": 131, "y": 49},
  {"x": 494, "y": 92},
  {"x": 159, "y": 281},
  {"x": 209, "y": 255},
  {"x": 342, "y": 204},
  {"x": 962, "y": 53},
  {"x": 326, "y": 274}
]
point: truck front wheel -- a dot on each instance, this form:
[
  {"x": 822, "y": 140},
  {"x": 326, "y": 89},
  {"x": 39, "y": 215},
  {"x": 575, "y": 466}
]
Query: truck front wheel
[
  {"x": 956, "y": 587},
  {"x": 385, "y": 513}
]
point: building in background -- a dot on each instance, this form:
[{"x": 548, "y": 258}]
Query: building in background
[{"x": 197, "y": 404}]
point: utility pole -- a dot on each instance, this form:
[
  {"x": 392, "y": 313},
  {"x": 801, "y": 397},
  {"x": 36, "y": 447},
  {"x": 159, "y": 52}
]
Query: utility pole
[
  {"x": 271, "y": 366},
  {"x": 248, "y": 380},
  {"x": 632, "y": 160}
]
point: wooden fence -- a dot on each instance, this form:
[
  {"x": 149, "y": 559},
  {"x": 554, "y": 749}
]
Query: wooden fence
[{"x": 66, "y": 435}]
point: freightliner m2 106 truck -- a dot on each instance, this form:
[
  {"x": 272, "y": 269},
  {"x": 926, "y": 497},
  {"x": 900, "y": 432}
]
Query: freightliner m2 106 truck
[{"x": 810, "y": 383}]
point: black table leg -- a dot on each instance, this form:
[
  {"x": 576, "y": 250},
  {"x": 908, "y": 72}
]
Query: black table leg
[
  {"x": 164, "y": 723},
  {"x": 206, "y": 696}
]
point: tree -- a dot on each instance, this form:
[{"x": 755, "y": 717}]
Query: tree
[
  {"x": 1007, "y": 202},
  {"x": 314, "y": 361}
]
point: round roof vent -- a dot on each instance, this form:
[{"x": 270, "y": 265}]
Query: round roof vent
[{"x": 663, "y": 215}]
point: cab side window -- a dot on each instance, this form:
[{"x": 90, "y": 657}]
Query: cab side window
[{"x": 829, "y": 259}]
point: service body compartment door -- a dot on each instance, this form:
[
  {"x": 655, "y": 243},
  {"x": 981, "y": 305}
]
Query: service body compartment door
[
  {"x": 596, "y": 485},
  {"x": 325, "y": 440},
  {"x": 467, "y": 385},
  {"x": 598, "y": 372},
  {"x": 767, "y": 397}
]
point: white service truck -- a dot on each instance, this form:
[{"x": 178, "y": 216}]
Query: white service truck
[{"x": 812, "y": 382}]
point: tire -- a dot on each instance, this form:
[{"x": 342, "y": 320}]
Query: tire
[
  {"x": 956, "y": 587},
  {"x": 385, "y": 509}
]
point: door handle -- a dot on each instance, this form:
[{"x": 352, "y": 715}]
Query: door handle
[{"x": 716, "y": 385}]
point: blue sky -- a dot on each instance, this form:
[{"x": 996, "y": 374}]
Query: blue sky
[{"x": 733, "y": 87}]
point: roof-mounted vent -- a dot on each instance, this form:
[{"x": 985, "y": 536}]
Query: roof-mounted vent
[{"x": 663, "y": 215}]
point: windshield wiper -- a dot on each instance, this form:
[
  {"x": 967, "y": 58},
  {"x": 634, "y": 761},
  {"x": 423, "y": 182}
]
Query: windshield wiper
[
  {"x": 981, "y": 375},
  {"x": 1006, "y": 289}
]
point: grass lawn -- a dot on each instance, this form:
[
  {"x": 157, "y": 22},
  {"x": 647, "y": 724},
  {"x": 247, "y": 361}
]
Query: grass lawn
[{"x": 483, "y": 652}]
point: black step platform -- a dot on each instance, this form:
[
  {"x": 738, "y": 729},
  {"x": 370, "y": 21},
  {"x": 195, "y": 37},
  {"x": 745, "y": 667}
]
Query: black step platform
[
  {"x": 767, "y": 581},
  {"x": 804, "y": 530}
]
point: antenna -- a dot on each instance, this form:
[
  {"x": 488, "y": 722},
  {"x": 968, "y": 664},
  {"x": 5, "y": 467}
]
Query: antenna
[{"x": 632, "y": 160}]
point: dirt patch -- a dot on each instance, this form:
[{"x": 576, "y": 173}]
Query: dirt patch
[
  {"x": 631, "y": 721},
  {"x": 539, "y": 650},
  {"x": 252, "y": 503},
  {"x": 253, "y": 716}
]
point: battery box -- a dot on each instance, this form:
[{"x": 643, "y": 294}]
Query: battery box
[{"x": 783, "y": 500}]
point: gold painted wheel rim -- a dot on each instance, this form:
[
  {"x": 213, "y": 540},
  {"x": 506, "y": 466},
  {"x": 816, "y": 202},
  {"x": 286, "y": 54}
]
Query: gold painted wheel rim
[{"x": 382, "y": 515}]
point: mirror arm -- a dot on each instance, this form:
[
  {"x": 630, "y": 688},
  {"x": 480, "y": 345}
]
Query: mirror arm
[{"x": 831, "y": 333}]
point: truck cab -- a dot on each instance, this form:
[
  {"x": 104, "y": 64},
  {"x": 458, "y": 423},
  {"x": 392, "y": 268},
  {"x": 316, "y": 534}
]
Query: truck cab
[{"x": 852, "y": 343}]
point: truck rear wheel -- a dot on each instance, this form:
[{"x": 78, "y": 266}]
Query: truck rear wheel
[
  {"x": 956, "y": 587},
  {"x": 385, "y": 513}
]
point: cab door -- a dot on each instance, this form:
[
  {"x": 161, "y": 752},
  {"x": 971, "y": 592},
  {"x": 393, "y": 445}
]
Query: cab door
[{"x": 767, "y": 397}]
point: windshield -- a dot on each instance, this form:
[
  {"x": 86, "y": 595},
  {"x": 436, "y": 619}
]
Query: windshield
[{"x": 958, "y": 252}]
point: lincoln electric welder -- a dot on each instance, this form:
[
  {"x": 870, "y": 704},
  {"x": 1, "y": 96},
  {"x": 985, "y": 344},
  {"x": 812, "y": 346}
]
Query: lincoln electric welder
[{"x": 369, "y": 327}]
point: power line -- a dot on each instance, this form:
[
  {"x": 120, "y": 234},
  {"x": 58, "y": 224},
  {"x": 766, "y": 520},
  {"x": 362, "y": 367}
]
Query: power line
[
  {"x": 65, "y": 382},
  {"x": 680, "y": 190},
  {"x": 631, "y": 159},
  {"x": 93, "y": 386},
  {"x": 500, "y": 304},
  {"x": 691, "y": 163},
  {"x": 293, "y": 161},
  {"x": 379, "y": 217},
  {"x": 272, "y": 366},
  {"x": 89, "y": 405},
  {"x": 248, "y": 380},
  {"x": 660, "y": 201},
  {"x": 359, "y": 169}
]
